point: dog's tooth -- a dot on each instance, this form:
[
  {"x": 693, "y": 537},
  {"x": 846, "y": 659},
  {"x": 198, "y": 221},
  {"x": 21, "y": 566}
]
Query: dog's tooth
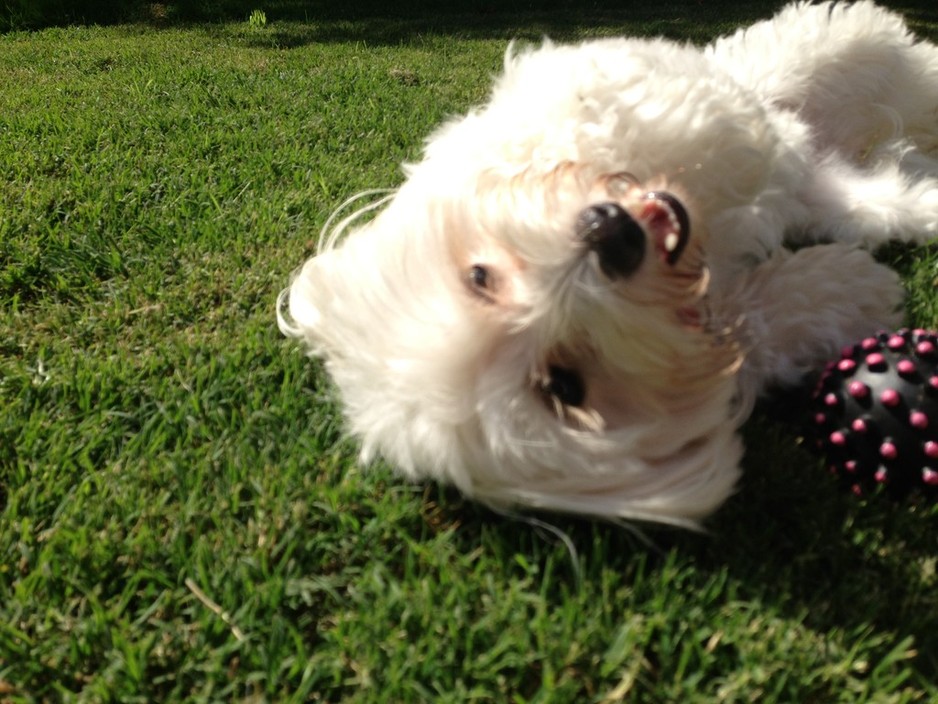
[{"x": 671, "y": 241}]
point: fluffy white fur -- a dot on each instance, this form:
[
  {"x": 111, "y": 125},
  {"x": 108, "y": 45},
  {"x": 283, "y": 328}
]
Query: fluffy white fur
[{"x": 447, "y": 319}]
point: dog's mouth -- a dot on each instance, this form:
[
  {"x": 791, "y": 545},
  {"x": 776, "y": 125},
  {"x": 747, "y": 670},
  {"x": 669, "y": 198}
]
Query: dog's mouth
[
  {"x": 668, "y": 224},
  {"x": 620, "y": 239}
]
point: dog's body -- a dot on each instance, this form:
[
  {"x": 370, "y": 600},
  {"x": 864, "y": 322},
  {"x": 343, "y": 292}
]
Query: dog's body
[{"x": 575, "y": 297}]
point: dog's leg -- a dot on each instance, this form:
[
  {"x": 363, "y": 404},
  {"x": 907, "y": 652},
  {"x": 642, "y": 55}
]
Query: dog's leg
[
  {"x": 874, "y": 206},
  {"x": 922, "y": 126},
  {"x": 798, "y": 309},
  {"x": 854, "y": 72}
]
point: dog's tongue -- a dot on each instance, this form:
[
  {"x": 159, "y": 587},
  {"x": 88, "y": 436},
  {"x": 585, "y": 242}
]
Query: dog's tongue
[{"x": 668, "y": 223}]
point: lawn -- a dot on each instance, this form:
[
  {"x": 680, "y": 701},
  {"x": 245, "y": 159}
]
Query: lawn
[{"x": 180, "y": 516}]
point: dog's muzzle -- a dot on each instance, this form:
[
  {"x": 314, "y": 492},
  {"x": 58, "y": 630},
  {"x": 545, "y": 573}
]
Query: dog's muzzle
[{"x": 620, "y": 240}]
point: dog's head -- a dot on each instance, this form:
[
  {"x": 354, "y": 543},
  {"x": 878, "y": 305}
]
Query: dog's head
[
  {"x": 532, "y": 325},
  {"x": 537, "y": 338}
]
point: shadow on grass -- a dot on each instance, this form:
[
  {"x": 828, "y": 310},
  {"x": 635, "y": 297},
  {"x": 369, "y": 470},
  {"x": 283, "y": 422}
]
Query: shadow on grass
[
  {"x": 296, "y": 24},
  {"x": 791, "y": 539},
  {"x": 690, "y": 19}
]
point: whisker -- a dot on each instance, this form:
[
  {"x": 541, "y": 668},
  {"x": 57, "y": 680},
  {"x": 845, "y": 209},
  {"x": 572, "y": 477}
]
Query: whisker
[{"x": 330, "y": 234}]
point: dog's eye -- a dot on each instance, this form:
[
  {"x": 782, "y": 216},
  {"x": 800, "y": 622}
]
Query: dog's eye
[
  {"x": 481, "y": 281},
  {"x": 479, "y": 276},
  {"x": 566, "y": 386}
]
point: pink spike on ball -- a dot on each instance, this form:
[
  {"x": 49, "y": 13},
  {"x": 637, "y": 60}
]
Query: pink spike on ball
[
  {"x": 890, "y": 398},
  {"x": 906, "y": 367},
  {"x": 858, "y": 389},
  {"x": 896, "y": 342},
  {"x": 888, "y": 450},
  {"x": 846, "y": 365}
]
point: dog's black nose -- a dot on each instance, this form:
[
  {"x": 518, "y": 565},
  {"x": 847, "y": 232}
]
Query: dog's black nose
[{"x": 615, "y": 236}]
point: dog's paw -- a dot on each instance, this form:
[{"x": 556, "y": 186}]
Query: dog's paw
[{"x": 799, "y": 309}]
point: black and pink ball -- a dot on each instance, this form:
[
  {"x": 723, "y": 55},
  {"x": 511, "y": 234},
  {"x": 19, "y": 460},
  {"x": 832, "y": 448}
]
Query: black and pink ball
[{"x": 875, "y": 414}]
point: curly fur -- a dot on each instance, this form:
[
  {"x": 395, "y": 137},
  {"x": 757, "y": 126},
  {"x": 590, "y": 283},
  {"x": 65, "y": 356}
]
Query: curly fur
[{"x": 444, "y": 319}]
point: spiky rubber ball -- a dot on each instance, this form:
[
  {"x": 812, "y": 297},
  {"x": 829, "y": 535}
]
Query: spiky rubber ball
[{"x": 875, "y": 414}]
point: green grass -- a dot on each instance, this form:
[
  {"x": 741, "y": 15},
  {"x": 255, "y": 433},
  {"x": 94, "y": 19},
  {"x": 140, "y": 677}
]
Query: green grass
[{"x": 180, "y": 518}]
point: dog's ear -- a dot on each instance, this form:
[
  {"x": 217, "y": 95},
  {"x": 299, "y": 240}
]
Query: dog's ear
[
  {"x": 298, "y": 313},
  {"x": 397, "y": 347}
]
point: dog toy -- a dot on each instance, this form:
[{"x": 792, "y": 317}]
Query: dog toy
[{"x": 875, "y": 413}]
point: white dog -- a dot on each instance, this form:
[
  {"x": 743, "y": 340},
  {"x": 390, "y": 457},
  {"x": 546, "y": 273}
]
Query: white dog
[{"x": 574, "y": 299}]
